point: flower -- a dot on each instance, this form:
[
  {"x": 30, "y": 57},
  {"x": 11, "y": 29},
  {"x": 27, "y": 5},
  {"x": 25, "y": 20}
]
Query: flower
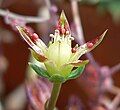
[{"x": 59, "y": 57}]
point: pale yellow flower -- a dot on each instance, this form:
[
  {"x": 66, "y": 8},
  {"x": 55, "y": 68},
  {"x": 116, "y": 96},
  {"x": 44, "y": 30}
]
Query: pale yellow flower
[{"x": 59, "y": 57}]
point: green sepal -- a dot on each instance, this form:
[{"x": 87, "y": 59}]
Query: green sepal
[
  {"x": 76, "y": 73},
  {"x": 56, "y": 78},
  {"x": 40, "y": 71}
]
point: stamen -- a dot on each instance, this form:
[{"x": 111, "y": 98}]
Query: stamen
[
  {"x": 52, "y": 35},
  {"x": 76, "y": 46},
  {"x": 74, "y": 50},
  {"x": 71, "y": 38},
  {"x": 67, "y": 32},
  {"x": 57, "y": 31}
]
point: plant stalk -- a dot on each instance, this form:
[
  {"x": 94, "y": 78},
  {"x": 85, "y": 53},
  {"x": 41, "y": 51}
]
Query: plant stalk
[{"x": 54, "y": 96}]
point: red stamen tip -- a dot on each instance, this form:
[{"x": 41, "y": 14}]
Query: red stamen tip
[
  {"x": 89, "y": 44},
  {"x": 73, "y": 50},
  {"x": 35, "y": 37}
]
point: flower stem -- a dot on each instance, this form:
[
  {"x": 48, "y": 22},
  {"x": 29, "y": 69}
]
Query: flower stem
[{"x": 54, "y": 96}]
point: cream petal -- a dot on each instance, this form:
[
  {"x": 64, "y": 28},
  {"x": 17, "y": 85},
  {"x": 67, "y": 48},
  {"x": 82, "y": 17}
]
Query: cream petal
[
  {"x": 87, "y": 47},
  {"x": 28, "y": 40}
]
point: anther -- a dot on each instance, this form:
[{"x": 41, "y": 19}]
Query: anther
[
  {"x": 51, "y": 35},
  {"x": 57, "y": 31},
  {"x": 67, "y": 32},
  {"x": 89, "y": 44},
  {"x": 71, "y": 38},
  {"x": 35, "y": 36}
]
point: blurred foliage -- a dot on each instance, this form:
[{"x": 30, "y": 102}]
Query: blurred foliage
[{"x": 112, "y": 6}]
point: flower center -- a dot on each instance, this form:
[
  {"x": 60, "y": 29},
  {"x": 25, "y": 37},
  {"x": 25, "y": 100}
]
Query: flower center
[{"x": 59, "y": 50}]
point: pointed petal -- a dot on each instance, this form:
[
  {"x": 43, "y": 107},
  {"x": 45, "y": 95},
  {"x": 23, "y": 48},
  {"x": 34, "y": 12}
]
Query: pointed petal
[
  {"x": 27, "y": 39},
  {"x": 92, "y": 44},
  {"x": 36, "y": 49},
  {"x": 87, "y": 47},
  {"x": 63, "y": 25}
]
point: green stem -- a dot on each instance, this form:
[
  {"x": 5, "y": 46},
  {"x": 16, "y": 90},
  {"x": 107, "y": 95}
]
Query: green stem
[{"x": 54, "y": 96}]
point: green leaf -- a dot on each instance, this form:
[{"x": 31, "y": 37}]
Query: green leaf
[
  {"x": 56, "y": 78},
  {"x": 40, "y": 71},
  {"x": 76, "y": 73}
]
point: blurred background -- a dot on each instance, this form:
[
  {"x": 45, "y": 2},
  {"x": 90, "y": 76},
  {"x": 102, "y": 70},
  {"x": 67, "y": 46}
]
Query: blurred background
[{"x": 96, "y": 16}]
